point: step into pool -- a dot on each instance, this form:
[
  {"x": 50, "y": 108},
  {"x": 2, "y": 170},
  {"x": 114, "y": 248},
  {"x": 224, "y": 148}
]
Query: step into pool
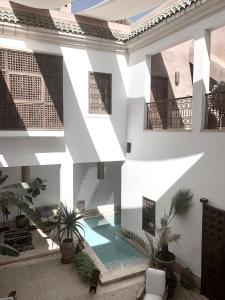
[{"x": 112, "y": 250}]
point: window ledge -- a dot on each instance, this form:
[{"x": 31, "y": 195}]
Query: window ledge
[
  {"x": 167, "y": 130},
  {"x": 31, "y": 133},
  {"x": 101, "y": 116},
  {"x": 213, "y": 130}
]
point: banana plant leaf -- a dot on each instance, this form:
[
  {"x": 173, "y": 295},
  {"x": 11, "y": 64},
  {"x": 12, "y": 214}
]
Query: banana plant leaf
[
  {"x": 3, "y": 179},
  {"x": 7, "y": 250},
  {"x": 26, "y": 206}
]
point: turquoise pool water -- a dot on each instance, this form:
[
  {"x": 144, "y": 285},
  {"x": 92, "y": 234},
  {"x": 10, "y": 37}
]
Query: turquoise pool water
[{"x": 114, "y": 252}]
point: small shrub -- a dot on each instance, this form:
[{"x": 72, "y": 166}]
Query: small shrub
[
  {"x": 218, "y": 87},
  {"x": 84, "y": 265}
]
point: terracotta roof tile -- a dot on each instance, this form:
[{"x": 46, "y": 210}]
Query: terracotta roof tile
[{"x": 94, "y": 29}]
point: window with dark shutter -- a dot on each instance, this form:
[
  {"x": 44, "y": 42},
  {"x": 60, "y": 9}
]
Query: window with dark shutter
[
  {"x": 31, "y": 91},
  {"x": 100, "y": 93}
]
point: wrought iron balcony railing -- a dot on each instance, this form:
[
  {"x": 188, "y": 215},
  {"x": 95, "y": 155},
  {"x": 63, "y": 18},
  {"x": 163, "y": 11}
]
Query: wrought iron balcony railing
[
  {"x": 215, "y": 111},
  {"x": 170, "y": 114}
]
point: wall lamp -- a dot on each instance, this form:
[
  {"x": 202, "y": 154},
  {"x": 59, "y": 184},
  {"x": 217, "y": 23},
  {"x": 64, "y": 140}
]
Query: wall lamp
[{"x": 177, "y": 78}]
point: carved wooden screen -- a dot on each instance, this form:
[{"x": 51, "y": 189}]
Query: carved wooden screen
[
  {"x": 100, "y": 93},
  {"x": 213, "y": 253},
  {"x": 31, "y": 91}
]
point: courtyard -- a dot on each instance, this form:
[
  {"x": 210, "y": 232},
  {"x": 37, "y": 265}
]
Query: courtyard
[
  {"x": 112, "y": 123},
  {"x": 48, "y": 279}
]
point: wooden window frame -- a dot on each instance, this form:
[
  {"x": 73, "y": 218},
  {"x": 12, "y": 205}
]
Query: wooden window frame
[
  {"x": 45, "y": 111},
  {"x": 107, "y": 110}
]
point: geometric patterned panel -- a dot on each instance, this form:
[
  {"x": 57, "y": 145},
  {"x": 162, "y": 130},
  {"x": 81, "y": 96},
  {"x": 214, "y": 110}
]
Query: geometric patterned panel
[
  {"x": 3, "y": 88},
  {"x": 2, "y": 59},
  {"x": 32, "y": 115},
  {"x": 53, "y": 89},
  {"x": 213, "y": 253},
  {"x": 100, "y": 93},
  {"x": 25, "y": 88},
  {"x": 22, "y": 62},
  {"x": 214, "y": 224},
  {"x": 171, "y": 113},
  {"x": 52, "y": 117},
  {"x": 31, "y": 90}
]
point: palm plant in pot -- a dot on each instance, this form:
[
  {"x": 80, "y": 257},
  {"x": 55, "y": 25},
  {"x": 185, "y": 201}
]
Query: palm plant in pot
[
  {"x": 67, "y": 227},
  {"x": 157, "y": 250},
  {"x": 180, "y": 204}
]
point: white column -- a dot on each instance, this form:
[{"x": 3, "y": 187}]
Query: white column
[
  {"x": 201, "y": 78},
  {"x": 147, "y": 85},
  {"x": 66, "y": 181},
  {"x": 147, "y": 70}
]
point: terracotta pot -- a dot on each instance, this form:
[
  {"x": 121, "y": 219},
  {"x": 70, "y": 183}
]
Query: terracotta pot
[
  {"x": 165, "y": 265},
  {"x": 67, "y": 251},
  {"x": 22, "y": 221}
]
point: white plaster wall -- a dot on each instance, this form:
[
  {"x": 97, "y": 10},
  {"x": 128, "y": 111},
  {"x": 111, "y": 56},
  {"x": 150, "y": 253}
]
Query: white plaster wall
[
  {"x": 88, "y": 137},
  {"x": 50, "y": 196},
  {"x": 97, "y": 192},
  {"x": 162, "y": 162},
  {"x": 174, "y": 59}
]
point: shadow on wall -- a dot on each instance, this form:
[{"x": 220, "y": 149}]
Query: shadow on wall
[
  {"x": 9, "y": 113},
  {"x": 50, "y": 68},
  {"x": 161, "y": 91},
  {"x": 110, "y": 64},
  {"x": 78, "y": 138},
  {"x": 158, "y": 180},
  {"x": 97, "y": 192}
]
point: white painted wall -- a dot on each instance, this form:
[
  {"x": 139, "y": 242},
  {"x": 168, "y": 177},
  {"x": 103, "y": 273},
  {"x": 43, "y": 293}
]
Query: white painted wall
[
  {"x": 97, "y": 192},
  {"x": 87, "y": 137},
  {"x": 161, "y": 162},
  {"x": 51, "y": 196}
]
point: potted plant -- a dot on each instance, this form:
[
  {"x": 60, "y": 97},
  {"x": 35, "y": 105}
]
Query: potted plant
[
  {"x": 33, "y": 191},
  {"x": 157, "y": 250},
  {"x": 17, "y": 194},
  {"x": 67, "y": 226},
  {"x": 180, "y": 205}
]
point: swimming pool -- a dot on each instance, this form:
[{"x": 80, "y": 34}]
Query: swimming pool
[{"x": 113, "y": 251}]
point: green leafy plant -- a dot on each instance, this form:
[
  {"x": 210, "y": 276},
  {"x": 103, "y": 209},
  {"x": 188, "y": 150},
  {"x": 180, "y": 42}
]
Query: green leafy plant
[
  {"x": 147, "y": 248},
  {"x": 85, "y": 266},
  {"x": 218, "y": 87},
  {"x": 181, "y": 202},
  {"x": 16, "y": 194},
  {"x": 68, "y": 223}
]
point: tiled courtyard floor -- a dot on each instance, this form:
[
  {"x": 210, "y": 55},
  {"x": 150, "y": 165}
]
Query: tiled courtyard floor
[{"x": 48, "y": 279}]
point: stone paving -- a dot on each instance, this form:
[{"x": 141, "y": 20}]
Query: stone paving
[{"x": 47, "y": 279}]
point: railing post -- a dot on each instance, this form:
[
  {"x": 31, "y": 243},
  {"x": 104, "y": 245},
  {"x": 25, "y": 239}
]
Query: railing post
[{"x": 201, "y": 78}]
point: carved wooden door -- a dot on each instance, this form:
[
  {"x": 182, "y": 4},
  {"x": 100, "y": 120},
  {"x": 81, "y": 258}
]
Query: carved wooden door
[{"x": 213, "y": 253}]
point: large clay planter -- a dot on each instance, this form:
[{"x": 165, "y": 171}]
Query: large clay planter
[
  {"x": 67, "y": 251},
  {"x": 165, "y": 265}
]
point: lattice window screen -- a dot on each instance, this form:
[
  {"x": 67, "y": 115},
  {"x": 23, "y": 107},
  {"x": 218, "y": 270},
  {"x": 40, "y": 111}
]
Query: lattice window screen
[
  {"x": 100, "y": 93},
  {"x": 31, "y": 90}
]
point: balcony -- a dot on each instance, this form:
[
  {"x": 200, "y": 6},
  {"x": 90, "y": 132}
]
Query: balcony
[
  {"x": 215, "y": 111},
  {"x": 170, "y": 114}
]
